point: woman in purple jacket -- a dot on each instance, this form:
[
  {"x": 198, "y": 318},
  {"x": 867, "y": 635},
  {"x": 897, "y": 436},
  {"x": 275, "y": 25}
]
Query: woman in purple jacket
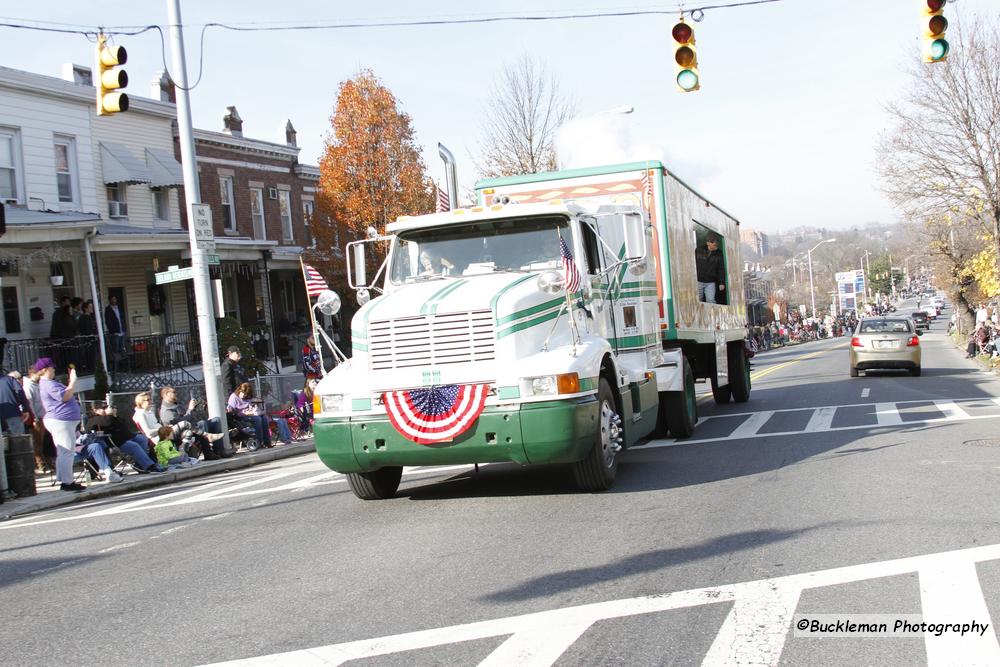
[{"x": 62, "y": 417}]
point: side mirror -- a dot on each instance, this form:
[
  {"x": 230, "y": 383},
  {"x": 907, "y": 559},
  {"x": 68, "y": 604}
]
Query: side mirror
[
  {"x": 634, "y": 229},
  {"x": 356, "y": 272}
]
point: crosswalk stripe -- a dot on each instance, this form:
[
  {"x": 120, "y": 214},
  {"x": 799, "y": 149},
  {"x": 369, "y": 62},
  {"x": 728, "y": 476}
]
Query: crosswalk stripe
[
  {"x": 754, "y": 631},
  {"x": 538, "y": 646},
  {"x": 887, "y": 414},
  {"x": 749, "y": 428},
  {"x": 821, "y": 419},
  {"x": 950, "y": 410},
  {"x": 950, "y": 592}
]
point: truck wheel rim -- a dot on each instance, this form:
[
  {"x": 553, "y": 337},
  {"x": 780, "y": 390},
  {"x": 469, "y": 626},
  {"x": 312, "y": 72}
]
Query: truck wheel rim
[{"x": 610, "y": 434}]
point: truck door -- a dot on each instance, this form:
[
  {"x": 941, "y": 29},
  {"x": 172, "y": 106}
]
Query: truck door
[{"x": 600, "y": 308}]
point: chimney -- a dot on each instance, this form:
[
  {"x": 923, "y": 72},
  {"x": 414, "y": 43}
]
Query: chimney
[
  {"x": 162, "y": 88},
  {"x": 232, "y": 123},
  {"x": 290, "y": 134},
  {"x": 78, "y": 74}
]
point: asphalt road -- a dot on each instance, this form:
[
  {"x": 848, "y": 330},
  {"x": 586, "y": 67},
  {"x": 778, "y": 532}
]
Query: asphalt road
[{"x": 822, "y": 495}]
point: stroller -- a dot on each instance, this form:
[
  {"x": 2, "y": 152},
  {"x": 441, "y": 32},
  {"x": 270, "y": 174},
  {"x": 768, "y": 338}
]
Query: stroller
[
  {"x": 241, "y": 431},
  {"x": 301, "y": 419}
]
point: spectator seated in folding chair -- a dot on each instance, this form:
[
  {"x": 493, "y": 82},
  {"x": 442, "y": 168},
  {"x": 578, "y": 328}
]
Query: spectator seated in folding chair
[
  {"x": 242, "y": 432},
  {"x": 134, "y": 448},
  {"x": 93, "y": 453}
]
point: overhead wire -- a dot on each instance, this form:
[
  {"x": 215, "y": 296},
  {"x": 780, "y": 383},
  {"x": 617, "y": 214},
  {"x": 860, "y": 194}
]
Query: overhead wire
[{"x": 91, "y": 32}]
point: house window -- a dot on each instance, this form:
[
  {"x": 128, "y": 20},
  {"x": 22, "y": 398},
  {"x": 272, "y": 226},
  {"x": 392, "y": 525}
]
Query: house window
[
  {"x": 226, "y": 196},
  {"x": 285, "y": 204},
  {"x": 8, "y": 165},
  {"x": 65, "y": 148},
  {"x": 117, "y": 206},
  {"x": 257, "y": 212},
  {"x": 11, "y": 310},
  {"x": 161, "y": 203},
  {"x": 308, "y": 209}
]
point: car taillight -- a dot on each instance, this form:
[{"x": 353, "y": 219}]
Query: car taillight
[
  {"x": 856, "y": 342},
  {"x": 914, "y": 341}
]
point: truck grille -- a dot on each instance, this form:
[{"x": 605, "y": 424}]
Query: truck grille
[{"x": 431, "y": 340}]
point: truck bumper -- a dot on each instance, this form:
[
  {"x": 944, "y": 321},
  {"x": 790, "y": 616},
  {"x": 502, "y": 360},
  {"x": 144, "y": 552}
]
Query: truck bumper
[{"x": 549, "y": 432}]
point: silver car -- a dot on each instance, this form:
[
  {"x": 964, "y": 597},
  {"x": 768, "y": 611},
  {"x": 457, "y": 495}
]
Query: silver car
[{"x": 885, "y": 342}]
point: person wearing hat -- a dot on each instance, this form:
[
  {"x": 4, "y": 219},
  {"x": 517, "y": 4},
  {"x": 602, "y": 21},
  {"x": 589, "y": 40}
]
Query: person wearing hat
[
  {"x": 233, "y": 374},
  {"x": 711, "y": 270},
  {"x": 62, "y": 416}
]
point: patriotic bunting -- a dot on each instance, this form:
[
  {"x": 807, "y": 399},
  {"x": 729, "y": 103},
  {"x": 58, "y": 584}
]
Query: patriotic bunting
[
  {"x": 315, "y": 283},
  {"x": 571, "y": 275},
  {"x": 436, "y": 414}
]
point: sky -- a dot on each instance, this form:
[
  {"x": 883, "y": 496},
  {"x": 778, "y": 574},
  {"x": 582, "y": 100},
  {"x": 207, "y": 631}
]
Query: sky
[{"x": 782, "y": 133}]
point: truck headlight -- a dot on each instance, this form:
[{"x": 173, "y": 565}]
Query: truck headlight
[
  {"x": 550, "y": 385},
  {"x": 329, "y": 402}
]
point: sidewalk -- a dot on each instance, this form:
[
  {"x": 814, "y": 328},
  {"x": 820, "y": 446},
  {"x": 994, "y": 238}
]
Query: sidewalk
[{"x": 49, "y": 496}]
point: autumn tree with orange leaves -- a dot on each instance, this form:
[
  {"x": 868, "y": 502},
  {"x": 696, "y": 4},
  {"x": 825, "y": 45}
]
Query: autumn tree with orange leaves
[{"x": 371, "y": 173}]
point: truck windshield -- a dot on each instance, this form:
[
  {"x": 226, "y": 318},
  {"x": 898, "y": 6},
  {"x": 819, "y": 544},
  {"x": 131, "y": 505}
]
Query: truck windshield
[{"x": 511, "y": 244}]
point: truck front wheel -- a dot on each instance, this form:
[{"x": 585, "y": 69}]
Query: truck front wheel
[
  {"x": 376, "y": 485},
  {"x": 597, "y": 471}
]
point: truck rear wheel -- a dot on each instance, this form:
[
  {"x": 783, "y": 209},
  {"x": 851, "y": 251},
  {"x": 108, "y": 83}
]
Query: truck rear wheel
[
  {"x": 597, "y": 471},
  {"x": 376, "y": 485},
  {"x": 679, "y": 409},
  {"x": 721, "y": 394},
  {"x": 739, "y": 372}
]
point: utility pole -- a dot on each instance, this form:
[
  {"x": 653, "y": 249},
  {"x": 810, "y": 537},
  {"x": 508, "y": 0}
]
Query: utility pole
[{"x": 199, "y": 233}]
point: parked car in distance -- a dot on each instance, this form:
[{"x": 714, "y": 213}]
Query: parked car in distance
[
  {"x": 920, "y": 320},
  {"x": 885, "y": 342}
]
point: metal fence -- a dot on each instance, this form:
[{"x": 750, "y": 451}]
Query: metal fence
[{"x": 275, "y": 390}]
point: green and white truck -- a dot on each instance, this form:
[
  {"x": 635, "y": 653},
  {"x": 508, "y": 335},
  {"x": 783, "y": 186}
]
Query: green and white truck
[{"x": 559, "y": 321}]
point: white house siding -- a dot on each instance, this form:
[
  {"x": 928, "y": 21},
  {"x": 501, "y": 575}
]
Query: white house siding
[
  {"x": 136, "y": 130},
  {"x": 38, "y": 117},
  {"x": 135, "y": 274}
]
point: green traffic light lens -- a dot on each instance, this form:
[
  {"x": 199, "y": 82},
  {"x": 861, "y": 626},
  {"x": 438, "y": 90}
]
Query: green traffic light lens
[
  {"x": 939, "y": 49},
  {"x": 687, "y": 80}
]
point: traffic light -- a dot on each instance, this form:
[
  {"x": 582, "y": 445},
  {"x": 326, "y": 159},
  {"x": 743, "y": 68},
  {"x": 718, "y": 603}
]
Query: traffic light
[
  {"x": 934, "y": 24},
  {"x": 110, "y": 79},
  {"x": 685, "y": 57}
]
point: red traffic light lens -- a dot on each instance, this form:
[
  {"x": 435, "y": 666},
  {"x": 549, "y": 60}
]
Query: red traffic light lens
[
  {"x": 935, "y": 5},
  {"x": 937, "y": 25},
  {"x": 682, "y": 33}
]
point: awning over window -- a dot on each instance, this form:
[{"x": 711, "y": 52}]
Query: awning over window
[
  {"x": 121, "y": 166},
  {"x": 164, "y": 168}
]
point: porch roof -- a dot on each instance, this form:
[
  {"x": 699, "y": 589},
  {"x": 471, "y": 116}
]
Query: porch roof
[{"x": 28, "y": 226}]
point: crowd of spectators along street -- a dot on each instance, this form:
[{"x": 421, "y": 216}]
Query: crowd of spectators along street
[
  {"x": 985, "y": 338},
  {"x": 776, "y": 334},
  {"x": 151, "y": 441}
]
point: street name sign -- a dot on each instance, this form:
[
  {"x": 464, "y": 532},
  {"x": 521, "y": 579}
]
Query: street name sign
[{"x": 187, "y": 273}]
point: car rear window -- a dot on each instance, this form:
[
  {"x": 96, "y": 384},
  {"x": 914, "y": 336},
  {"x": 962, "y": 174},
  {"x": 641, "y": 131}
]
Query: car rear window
[{"x": 885, "y": 326}]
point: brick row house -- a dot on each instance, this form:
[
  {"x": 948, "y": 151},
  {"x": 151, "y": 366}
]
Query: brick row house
[{"x": 95, "y": 207}]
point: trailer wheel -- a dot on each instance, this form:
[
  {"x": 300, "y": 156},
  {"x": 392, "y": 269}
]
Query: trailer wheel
[
  {"x": 739, "y": 372},
  {"x": 376, "y": 485},
  {"x": 720, "y": 394},
  {"x": 597, "y": 471},
  {"x": 679, "y": 409}
]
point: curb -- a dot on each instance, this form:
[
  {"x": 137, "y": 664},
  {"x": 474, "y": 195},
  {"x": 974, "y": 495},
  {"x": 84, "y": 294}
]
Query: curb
[{"x": 135, "y": 482}]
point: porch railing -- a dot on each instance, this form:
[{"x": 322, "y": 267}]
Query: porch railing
[{"x": 133, "y": 354}]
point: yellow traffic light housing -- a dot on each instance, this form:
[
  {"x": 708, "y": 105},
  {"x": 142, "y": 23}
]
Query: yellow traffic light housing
[
  {"x": 111, "y": 79},
  {"x": 934, "y": 46},
  {"x": 685, "y": 57}
]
